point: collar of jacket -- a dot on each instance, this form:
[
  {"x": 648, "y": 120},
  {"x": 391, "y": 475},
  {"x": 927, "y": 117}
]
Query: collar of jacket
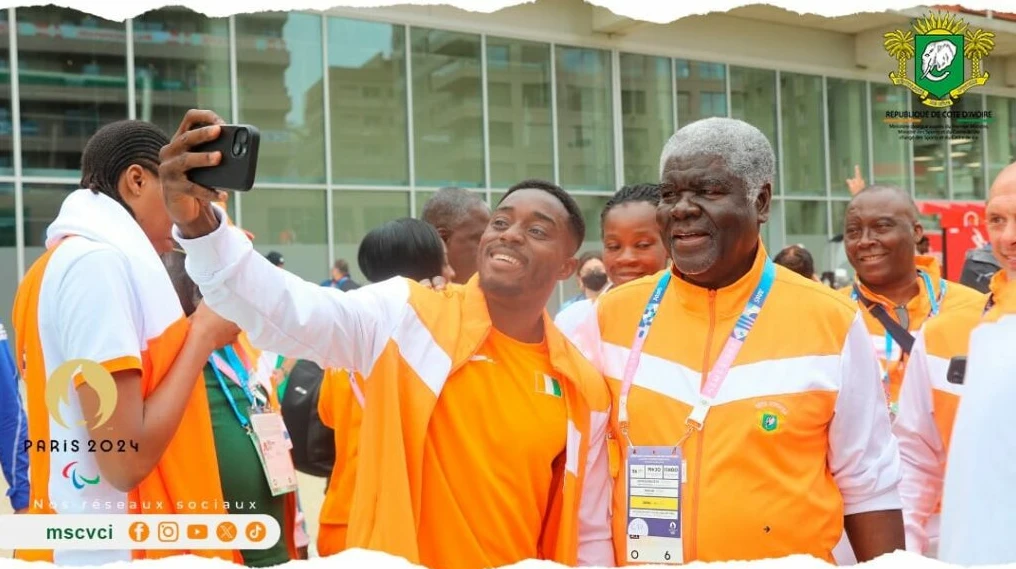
[
  {"x": 1003, "y": 292},
  {"x": 475, "y": 327},
  {"x": 918, "y": 307},
  {"x": 729, "y": 301}
]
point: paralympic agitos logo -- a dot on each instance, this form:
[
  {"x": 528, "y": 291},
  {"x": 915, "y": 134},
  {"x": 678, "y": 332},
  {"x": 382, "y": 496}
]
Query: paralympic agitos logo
[
  {"x": 73, "y": 374},
  {"x": 77, "y": 480}
]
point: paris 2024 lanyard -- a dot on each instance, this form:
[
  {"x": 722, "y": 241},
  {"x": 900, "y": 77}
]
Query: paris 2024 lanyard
[
  {"x": 935, "y": 303},
  {"x": 655, "y": 473},
  {"x": 265, "y": 427}
]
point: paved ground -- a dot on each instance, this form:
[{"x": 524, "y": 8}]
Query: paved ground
[{"x": 311, "y": 495}]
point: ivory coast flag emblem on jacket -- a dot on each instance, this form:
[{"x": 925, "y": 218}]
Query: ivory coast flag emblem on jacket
[{"x": 547, "y": 385}]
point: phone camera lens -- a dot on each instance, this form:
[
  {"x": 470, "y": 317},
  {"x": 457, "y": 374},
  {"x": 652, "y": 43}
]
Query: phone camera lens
[{"x": 237, "y": 149}]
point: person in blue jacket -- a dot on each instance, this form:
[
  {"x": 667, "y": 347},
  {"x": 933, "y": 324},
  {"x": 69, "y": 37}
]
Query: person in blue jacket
[{"x": 13, "y": 429}]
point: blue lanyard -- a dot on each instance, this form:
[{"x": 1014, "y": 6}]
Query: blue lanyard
[
  {"x": 723, "y": 363},
  {"x": 935, "y": 302},
  {"x": 241, "y": 373}
]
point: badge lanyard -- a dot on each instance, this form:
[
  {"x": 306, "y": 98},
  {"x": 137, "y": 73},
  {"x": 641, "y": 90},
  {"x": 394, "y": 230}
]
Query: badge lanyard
[
  {"x": 718, "y": 373},
  {"x": 266, "y": 429},
  {"x": 242, "y": 378},
  {"x": 935, "y": 302},
  {"x": 655, "y": 474}
]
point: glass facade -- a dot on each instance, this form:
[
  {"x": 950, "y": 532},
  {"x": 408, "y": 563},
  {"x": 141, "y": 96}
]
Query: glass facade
[{"x": 362, "y": 121}]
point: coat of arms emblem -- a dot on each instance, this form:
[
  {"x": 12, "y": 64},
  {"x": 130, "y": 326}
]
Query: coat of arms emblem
[{"x": 940, "y": 49}]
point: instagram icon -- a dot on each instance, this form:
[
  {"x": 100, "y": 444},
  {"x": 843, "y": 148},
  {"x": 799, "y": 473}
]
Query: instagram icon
[{"x": 169, "y": 532}]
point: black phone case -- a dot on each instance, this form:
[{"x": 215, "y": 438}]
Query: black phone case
[
  {"x": 233, "y": 172},
  {"x": 957, "y": 370}
]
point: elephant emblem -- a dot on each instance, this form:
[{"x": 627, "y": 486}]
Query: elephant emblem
[{"x": 937, "y": 57}]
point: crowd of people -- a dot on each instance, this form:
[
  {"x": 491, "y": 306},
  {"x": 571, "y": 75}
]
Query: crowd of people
[{"x": 700, "y": 399}]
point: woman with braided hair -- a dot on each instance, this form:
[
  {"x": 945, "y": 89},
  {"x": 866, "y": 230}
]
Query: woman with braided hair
[
  {"x": 632, "y": 247},
  {"x": 116, "y": 418}
]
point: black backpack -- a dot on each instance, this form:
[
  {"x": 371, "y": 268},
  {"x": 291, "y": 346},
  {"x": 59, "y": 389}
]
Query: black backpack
[
  {"x": 978, "y": 268},
  {"x": 313, "y": 442}
]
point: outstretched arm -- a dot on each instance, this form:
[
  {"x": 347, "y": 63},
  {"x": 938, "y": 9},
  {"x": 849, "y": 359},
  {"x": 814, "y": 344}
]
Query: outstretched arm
[{"x": 279, "y": 311}]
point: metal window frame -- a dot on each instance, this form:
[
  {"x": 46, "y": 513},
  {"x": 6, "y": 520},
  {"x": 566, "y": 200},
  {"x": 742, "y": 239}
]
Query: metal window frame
[
  {"x": 673, "y": 93},
  {"x": 554, "y": 135},
  {"x": 19, "y": 189},
  {"x": 132, "y": 82},
  {"x": 234, "y": 112},
  {"x": 869, "y": 131},
  {"x": 726, "y": 79},
  {"x": 825, "y": 157},
  {"x": 410, "y": 122},
  {"x": 617, "y": 118},
  {"x": 326, "y": 100},
  {"x": 780, "y": 158},
  {"x": 485, "y": 102}
]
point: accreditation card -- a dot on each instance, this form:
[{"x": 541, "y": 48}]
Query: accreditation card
[{"x": 654, "y": 505}]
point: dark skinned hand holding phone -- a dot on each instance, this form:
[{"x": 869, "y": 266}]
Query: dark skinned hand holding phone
[{"x": 190, "y": 204}]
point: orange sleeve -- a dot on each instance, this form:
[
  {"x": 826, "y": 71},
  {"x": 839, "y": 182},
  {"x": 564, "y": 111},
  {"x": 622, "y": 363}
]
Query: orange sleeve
[{"x": 112, "y": 366}]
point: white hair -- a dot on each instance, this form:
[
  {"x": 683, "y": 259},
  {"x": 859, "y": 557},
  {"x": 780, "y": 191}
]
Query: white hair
[{"x": 745, "y": 150}]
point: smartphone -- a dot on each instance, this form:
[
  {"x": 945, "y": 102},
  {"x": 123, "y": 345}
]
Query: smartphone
[
  {"x": 957, "y": 370},
  {"x": 238, "y": 144}
]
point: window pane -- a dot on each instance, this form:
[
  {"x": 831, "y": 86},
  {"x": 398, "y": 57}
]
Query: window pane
[
  {"x": 929, "y": 157},
  {"x": 293, "y": 223},
  {"x": 73, "y": 73},
  {"x": 447, "y": 108},
  {"x": 647, "y": 112},
  {"x": 839, "y": 254},
  {"x": 42, "y": 203},
  {"x": 753, "y": 100},
  {"x": 279, "y": 65},
  {"x": 1001, "y": 135},
  {"x": 848, "y": 137},
  {"x": 701, "y": 90},
  {"x": 966, "y": 149},
  {"x": 847, "y": 107},
  {"x": 357, "y": 212},
  {"x": 807, "y": 225},
  {"x": 6, "y": 126},
  {"x": 518, "y": 95},
  {"x": 772, "y": 230},
  {"x": 892, "y": 164},
  {"x": 804, "y": 137},
  {"x": 8, "y": 256},
  {"x": 367, "y": 98},
  {"x": 584, "y": 123},
  {"x": 181, "y": 62}
]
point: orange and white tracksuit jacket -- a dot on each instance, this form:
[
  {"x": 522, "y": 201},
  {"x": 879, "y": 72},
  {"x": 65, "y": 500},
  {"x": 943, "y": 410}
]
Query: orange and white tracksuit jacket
[
  {"x": 406, "y": 340},
  {"x": 918, "y": 310},
  {"x": 755, "y": 488},
  {"x": 340, "y": 410},
  {"x": 928, "y": 403}
]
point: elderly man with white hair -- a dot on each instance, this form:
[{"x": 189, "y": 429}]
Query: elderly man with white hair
[{"x": 748, "y": 416}]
